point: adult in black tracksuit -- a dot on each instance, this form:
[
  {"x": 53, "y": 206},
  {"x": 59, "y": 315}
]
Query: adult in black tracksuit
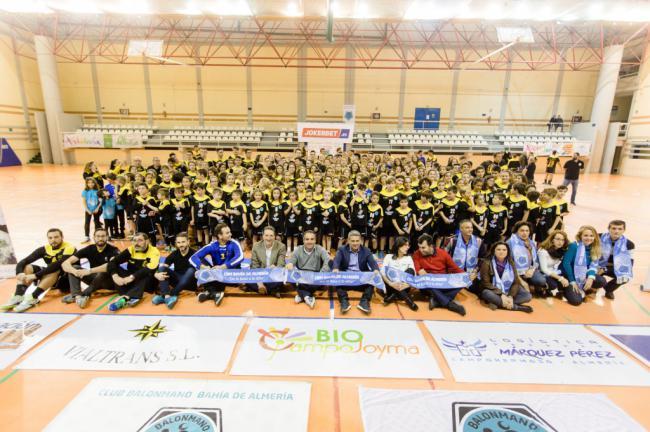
[
  {"x": 98, "y": 256},
  {"x": 176, "y": 273}
]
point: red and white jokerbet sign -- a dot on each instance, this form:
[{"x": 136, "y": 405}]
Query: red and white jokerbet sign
[{"x": 325, "y": 133}]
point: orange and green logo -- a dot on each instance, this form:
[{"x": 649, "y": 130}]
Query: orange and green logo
[{"x": 328, "y": 342}]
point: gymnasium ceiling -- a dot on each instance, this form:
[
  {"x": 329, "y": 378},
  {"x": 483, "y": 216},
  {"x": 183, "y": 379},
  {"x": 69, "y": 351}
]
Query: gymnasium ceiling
[{"x": 373, "y": 34}]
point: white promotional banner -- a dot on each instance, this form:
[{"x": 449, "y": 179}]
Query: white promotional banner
[
  {"x": 533, "y": 353},
  {"x": 633, "y": 339},
  {"x": 344, "y": 348},
  {"x": 177, "y": 405},
  {"x": 141, "y": 343},
  {"x": 325, "y": 133},
  {"x": 388, "y": 410},
  {"x": 83, "y": 139},
  {"x": 20, "y": 332}
]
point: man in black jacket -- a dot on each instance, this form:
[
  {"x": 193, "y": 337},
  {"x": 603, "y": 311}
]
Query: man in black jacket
[
  {"x": 98, "y": 256},
  {"x": 176, "y": 273},
  {"x": 572, "y": 169},
  {"x": 53, "y": 253}
]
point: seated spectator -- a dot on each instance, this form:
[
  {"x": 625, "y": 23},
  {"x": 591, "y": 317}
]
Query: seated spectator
[
  {"x": 225, "y": 253},
  {"x": 176, "y": 273},
  {"x": 355, "y": 258},
  {"x": 580, "y": 265},
  {"x": 524, "y": 255},
  {"x": 550, "y": 255},
  {"x": 268, "y": 253},
  {"x": 617, "y": 257},
  {"x": 501, "y": 286},
  {"x": 466, "y": 249},
  {"x": 309, "y": 257},
  {"x": 434, "y": 260},
  {"x": 400, "y": 260}
]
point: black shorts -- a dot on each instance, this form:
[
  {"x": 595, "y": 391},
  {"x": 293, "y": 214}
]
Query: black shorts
[
  {"x": 61, "y": 281},
  {"x": 238, "y": 235},
  {"x": 550, "y": 170},
  {"x": 327, "y": 229},
  {"x": 362, "y": 229},
  {"x": 292, "y": 231}
]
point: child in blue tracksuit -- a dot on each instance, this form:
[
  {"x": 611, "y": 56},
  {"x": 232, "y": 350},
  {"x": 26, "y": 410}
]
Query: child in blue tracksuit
[
  {"x": 224, "y": 253},
  {"x": 109, "y": 212}
]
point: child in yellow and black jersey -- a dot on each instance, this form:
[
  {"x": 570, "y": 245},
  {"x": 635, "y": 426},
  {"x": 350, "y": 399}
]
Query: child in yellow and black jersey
[
  {"x": 479, "y": 213},
  {"x": 424, "y": 214},
  {"x": 277, "y": 206},
  {"x": 145, "y": 212},
  {"x": 216, "y": 210},
  {"x": 549, "y": 215},
  {"x": 375, "y": 218},
  {"x": 309, "y": 209},
  {"x": 237, "y": 210},
  {"x": 328, "y": 223},
  {"x": 359, "y": 210},
  {"x": 258, "y": 212},
  {"x": 497, "y": 220},
  {"x": 517, "y": 205},
  {"x": 200, "y": 220},
  {"x": 452, "y": 211},
  {"x": 182, "y": 212},
  {"x": 166, "y": 217},
  {"x": 403, "y": 218}
]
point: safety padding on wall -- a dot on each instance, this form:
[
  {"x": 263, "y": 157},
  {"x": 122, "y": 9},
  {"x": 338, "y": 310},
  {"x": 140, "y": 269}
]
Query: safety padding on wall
[{"x": 7, "y": 155}]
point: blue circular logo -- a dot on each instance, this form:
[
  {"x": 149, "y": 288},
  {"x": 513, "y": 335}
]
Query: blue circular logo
[
  {"x": 499, "y": 419},
  {"x": 183, "y": 421}
]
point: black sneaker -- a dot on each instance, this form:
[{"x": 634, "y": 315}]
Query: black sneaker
[
  {"x": 203, "y": 296},
  {"x": 432, "y": 303},
  {"x": 524, "y": 308},
  {"x": 389, "y": 299},
  {"x": 411, "y": 304},
  {"x": 345, "y": 306},
  {"x": 455, "y": 307},
  {"x": 609, "y": 295},
  {"x": 364, "y": 306}
]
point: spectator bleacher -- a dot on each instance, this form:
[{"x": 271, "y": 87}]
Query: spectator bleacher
[{"x": 214, "y": 134}]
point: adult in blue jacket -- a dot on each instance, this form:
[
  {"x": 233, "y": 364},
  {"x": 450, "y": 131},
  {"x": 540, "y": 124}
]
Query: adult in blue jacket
[
  {"x": 580, "y": 266},
  {"x": 355, "y": 258},
  {"x": 224, "y": 253}
]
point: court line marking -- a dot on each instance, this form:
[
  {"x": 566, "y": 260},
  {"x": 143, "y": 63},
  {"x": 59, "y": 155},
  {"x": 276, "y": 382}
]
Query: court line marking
[
  {"x": 359, "y": 318},
  {"x": 636, "y": 302},
  {"x": 9, "y": 375},
  {"x": 105, "y": 303}
]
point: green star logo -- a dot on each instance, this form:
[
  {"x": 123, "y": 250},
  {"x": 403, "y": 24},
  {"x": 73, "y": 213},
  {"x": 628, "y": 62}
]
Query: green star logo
[{"x": 149, "y": 331}]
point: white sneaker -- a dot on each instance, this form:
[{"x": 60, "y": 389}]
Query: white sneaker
[
  {"x": 311, "y": 302},
  {"x": 12, "y": 303},
  {"x": 27, "y": 303},
  {"x": 86, "y": 240},
  {"x": 297, "y": 299}
]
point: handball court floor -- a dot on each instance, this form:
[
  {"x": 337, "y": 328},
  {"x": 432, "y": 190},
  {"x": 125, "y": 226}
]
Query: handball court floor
[{"x": 37, "y": 198}]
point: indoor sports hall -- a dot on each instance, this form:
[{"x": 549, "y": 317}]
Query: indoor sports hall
[{"x": 324, "y": 215}]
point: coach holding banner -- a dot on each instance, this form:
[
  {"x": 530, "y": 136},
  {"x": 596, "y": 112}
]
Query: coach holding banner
[
  {"x": 355, "y": 258},
  {"x": 268, "y": 253}
]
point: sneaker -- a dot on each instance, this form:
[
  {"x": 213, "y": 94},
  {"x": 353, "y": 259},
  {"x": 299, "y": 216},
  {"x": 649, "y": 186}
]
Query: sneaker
[
  {"x": 158, "y": 299},
  {"x": 609, "y": 295},
  {"x": 117, "y": 305},
  {"x": 82, "y": 301},
  {"x": 389, "y": 299},
  {"x": 297, "y": 299},
  {"x": 203, "y": 296},
  {"x": 132, "y": 302},
  {"x": 311, "y": 302},
  {"x": 13, "y": 302},
  {"x": 218, "y": 298},
  {"x": 364, "y": 306},
  {"x": 27, "y": 303},
  {"x": 86, "y": 240},
  {"x": 432, "y": 303},
  {"x": 455, "y": 307},
  {"x": 524, "y": 308},
  {"x": 345, "y": 306},
  {"x": 70, "y": 298},
  {"x": 171, "y": 301}
]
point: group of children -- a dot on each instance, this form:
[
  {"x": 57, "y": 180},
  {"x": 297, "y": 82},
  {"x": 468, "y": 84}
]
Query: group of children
[{"x": 379, "y": 195}]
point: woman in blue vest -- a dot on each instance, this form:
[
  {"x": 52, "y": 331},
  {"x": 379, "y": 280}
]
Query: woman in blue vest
[
  {"x": 580, "y": 267},
  {"x": 501, "y": 285}
]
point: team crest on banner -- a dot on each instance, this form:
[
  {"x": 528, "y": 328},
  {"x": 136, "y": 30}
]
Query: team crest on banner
[
  {"x": 386, "y": 410},
  {"x": 480, "y": 417},
  {"x": 533, "y": 353},
  {"x": 321, "y": 347},
  {"x": 20, "y": 332},
  {"x": 185, "y": 420},
  {"x": 184, "y": 405},
  {"x": 151, "y": 343}
]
